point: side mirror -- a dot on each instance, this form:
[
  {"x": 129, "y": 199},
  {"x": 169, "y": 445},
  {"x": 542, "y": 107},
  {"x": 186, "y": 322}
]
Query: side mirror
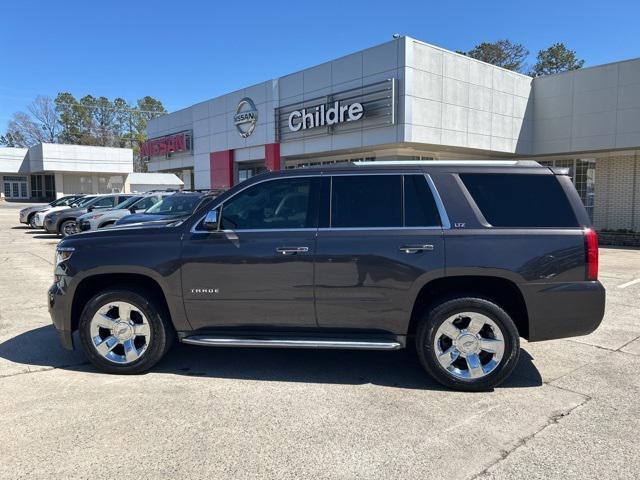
[
  {"x": 211, "y": 220},
  {"x": 90, "y": 209},
  {"x": 132, "y": 210},
  {"x": 74, "y": 205}
]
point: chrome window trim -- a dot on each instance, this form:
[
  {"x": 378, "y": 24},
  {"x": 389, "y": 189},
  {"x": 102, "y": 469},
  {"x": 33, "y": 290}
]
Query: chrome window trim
[{"x": 359, "y": 229}]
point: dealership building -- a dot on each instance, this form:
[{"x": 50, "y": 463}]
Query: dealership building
[
  {"x": 409, "y": 100},
  {"x": 47, "y": 171}
]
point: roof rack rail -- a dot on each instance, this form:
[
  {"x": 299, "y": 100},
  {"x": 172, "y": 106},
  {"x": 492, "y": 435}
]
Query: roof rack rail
[{"x": 460, "y": 163}]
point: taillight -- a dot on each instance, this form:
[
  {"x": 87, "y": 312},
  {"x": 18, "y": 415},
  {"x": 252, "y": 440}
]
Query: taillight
[{"x": 591, "y": 244}]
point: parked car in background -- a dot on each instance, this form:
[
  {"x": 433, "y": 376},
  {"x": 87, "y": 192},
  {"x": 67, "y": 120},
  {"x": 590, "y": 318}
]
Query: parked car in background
[
  {"x": 38, "y": 219},
  {"x": 459, "y": 259},
  {"x": 104, "y": 218},
  {"x": 174, "y": 207},
  {"x": 63, "y": 222},
  {"x": 27, "y": 215}
]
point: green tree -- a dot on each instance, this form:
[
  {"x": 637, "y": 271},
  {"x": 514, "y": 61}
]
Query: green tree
[
  {"x": 502, "y": 53},
  {"x": 146, "y": 109},
  {"x": 104, "y": 119},
  {"x": 70, "y": 116},
  {"x": 87, "y": 121},
  {"x": 556, "y": 59}
]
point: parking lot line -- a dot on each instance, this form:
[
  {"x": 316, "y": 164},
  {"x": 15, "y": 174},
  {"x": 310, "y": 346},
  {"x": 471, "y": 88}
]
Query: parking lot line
[{"x": 628, "y": 284}]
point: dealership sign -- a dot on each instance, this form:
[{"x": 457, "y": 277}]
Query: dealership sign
[
  {"x": 320, "y": 115},
  {"x": 246, "y": 117},
  {"x": 360, "y": 108},
  {"x": 165, "y": 146}
]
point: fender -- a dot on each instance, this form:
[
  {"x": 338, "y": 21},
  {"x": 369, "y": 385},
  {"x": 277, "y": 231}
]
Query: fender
[{"x": 173, "y": 295}]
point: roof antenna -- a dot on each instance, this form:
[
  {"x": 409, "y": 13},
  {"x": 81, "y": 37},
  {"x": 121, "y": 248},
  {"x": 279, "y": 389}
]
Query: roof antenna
[{"x": 396, "y": 35}]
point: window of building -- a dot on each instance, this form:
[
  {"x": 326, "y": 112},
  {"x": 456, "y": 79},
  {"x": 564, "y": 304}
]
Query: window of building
[
  {"x": 276, "y": 204},
  {"x": 247, "y": 171},
  {"x": 49, "y": 186},
  {"x": 36, "y": 186},
  {"x": 508, "y": 200},
  {"x": 359, "y": 201},
  {"x": 420, "y": 209}
]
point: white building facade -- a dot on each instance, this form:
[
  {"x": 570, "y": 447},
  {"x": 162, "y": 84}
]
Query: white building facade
[
  {"x": 406, "y": 99},
  {"x": 47, "y": 171}
]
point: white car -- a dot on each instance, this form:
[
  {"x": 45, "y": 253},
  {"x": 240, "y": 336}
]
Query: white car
[
  {"x": 104, "y": 218},
  {"x": 38, "y": 219}
]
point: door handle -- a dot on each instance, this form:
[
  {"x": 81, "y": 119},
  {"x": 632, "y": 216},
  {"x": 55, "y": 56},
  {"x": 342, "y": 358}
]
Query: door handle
[
  {"x": 292, "y": 250},
  {"x": 416, "y": 248}
]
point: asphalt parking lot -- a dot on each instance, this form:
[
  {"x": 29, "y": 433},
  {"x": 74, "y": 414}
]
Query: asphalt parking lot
[{"x": 570, "y": 410}]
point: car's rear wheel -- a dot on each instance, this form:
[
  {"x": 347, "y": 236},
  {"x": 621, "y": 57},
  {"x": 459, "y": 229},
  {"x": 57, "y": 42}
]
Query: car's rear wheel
[
  {"x": 468, "y": 343},
  {"x": 125, "y": 331},
  {"x": 68, "y": 227}
]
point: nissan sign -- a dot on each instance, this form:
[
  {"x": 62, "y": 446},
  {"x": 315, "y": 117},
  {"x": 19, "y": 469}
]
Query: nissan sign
[
  {"x": 246, "y": 117},
  {"x": 320, "y": 115},
  {"x": 165, "y": 146}
]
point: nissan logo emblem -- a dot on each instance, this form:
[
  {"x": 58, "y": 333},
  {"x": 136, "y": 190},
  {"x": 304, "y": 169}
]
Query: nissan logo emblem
[{"x": 246, "y": 117}]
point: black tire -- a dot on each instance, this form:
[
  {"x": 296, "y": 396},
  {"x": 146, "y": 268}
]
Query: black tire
[
  {"x": 162, "y": 331},
  {"x": 433, "y": 318},
  {"x": 32, "y": 221},
  {"x": 63, "y": 230}
]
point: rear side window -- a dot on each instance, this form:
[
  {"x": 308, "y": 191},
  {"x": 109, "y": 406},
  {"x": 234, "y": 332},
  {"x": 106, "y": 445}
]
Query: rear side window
[
  {"x": 359, "y": 201},
  {"x": 508, "y": 200},
  {"x": 420, "y": 208}
]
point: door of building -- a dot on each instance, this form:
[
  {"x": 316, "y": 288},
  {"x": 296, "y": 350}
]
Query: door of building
[{"x": 15, "y": 188}]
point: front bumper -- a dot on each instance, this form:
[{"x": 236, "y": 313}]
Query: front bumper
[
  {"x": 50, "y": 225},
  {"x": 564, "y": 309},
  {"x": 84, "y": 226},
  {"x": 60, "y": 311}
]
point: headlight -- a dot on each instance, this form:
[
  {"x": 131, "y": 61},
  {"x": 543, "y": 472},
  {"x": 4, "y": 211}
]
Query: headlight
[{"x": 63, "y": 253}]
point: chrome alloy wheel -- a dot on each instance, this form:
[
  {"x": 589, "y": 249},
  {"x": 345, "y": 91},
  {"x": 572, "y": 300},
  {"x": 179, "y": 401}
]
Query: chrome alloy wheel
[
  {"x": 469, "y": 345},
  {"x": 69, "y": 228},
  {"x": 120, "y": 332}
]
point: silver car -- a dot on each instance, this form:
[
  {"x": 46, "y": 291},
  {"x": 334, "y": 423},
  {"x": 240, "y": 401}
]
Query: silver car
[
  {"x": 28, "y": 215},
  {"x": 104, "y": 218}
]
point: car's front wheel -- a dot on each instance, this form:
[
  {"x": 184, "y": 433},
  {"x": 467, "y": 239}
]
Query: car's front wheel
[
  {"x": 125, "y": 331},
  {"x": 68, "y": 227},
  {"x": 468, "y": 343},
  {"x": 32, "y": 221}
]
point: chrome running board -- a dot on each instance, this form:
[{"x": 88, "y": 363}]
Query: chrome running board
[{"x": 292, "y": 342}]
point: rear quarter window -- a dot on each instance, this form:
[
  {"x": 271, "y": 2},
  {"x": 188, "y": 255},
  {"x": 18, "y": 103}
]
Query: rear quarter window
[{"x": 520, "y": 200}]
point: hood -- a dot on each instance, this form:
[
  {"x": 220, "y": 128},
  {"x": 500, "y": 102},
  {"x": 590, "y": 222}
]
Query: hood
[
  {"x": 149, "y": 217},
  {"x": 35, "y": 208},
  {"x": 116, "y": 230}
]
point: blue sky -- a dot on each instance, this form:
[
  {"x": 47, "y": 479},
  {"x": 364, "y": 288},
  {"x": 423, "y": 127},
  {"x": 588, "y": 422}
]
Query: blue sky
[{"x": 182, "y": 52}]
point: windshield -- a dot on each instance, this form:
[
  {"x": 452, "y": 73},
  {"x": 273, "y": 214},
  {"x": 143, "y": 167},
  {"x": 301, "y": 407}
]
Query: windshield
[
  {"x": 84, "y": 201},
  {"x": 175, "y": 205},
  {"x": 62, "y": 201},
  {"x": 128, "y": 202}
]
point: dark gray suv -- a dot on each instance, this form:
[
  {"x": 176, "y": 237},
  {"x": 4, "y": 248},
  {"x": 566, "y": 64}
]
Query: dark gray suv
[{"x": 460, "y": 259}]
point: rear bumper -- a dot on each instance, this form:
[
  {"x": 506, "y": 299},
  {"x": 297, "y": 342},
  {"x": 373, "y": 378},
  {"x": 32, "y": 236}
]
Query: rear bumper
[
  {"x": 60, "y": 315},
  {"x": 563, "y": 310}
]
